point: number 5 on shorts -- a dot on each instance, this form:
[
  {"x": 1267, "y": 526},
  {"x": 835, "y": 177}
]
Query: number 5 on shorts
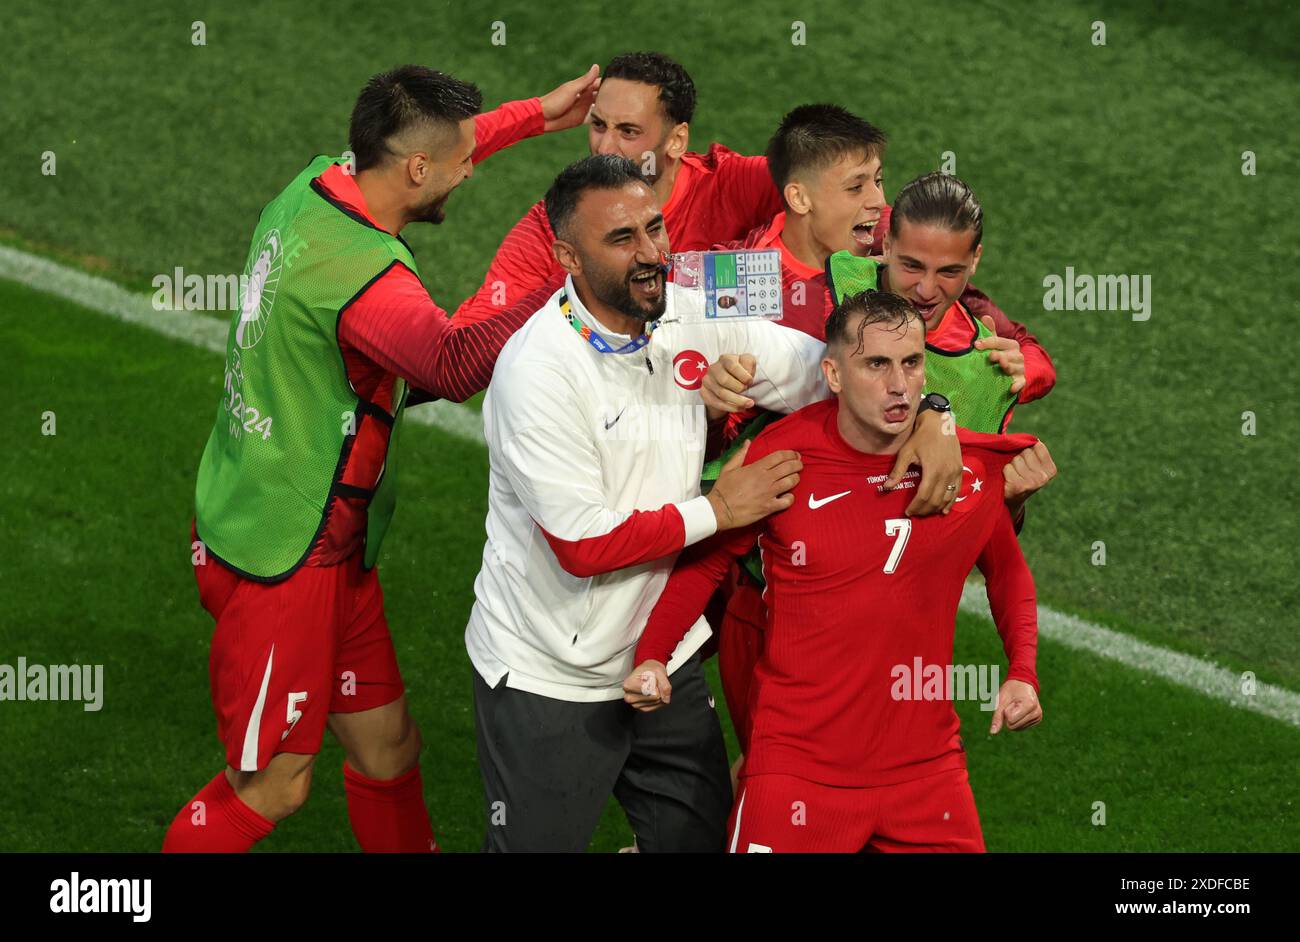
[{"x": 293, "y": 714}]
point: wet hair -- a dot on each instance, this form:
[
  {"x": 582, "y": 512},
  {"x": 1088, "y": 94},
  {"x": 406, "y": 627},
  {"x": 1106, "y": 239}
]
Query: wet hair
[
  {"x": 402, "y": 98},
  {"x": 873, "y": 307},
  {"x": 812, "y": 137},
  {"x": 597, "y": 172},
  {"x": 676, "y": 90},
  {"x": 939, "y": 199}
]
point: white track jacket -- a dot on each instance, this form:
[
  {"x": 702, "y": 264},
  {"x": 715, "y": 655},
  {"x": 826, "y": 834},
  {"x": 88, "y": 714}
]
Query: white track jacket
[{"x": 594, "y": 488}]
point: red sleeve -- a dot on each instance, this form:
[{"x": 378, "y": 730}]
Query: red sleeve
[
  {"x": 1040, "y": 372},
  {"x": 512, "y": 122},
  {"x": 522, "y": 264},
  {"x": 643, "y": 537},
  {"x": 749, "y": 190},
  {"x": 699, "y": 571},
  {"x": 1012, "y": 599},
  {"x": 397, "y": 325}
]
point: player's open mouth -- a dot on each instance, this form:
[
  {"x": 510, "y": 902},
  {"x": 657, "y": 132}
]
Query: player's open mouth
[
  {"x": 648, "y": 283},
  {"x": 926, "y": 310},
  {"x": 865, "y": 232},
  {"x": 897, "y": 413}
]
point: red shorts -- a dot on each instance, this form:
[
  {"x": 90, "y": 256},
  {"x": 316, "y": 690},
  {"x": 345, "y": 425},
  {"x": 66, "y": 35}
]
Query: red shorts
[
  {"x": 783, "y": 813},
  {"x": 287, "y": 654}
]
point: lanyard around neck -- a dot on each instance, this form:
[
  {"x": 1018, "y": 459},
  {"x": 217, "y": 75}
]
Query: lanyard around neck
[{"x": 595, "y": 339}]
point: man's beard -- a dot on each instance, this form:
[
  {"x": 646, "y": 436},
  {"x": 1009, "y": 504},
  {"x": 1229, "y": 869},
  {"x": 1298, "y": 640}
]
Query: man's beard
[
  {"x": 617, "y": 293},
  {"x": 433, "y": 211}
]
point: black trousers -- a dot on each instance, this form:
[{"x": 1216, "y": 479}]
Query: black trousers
[{"x": 549, "y": 767}]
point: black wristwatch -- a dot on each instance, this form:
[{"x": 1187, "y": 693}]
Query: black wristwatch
[{"x": 936, "y": 401}]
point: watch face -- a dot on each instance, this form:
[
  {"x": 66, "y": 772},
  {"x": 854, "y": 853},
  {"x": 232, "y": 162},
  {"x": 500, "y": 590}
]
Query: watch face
[{"x": 940, "y": 402}]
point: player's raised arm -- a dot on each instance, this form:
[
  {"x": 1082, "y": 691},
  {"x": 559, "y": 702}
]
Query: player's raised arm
[
  {"x": 524, "y": 263},
  {"x": 561, "y": 108}
]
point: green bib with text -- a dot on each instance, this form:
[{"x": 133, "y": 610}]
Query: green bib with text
[{"x": 275, "y": 463}]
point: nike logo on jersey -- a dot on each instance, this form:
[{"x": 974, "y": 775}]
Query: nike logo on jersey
[
  {"x": 814, "y": 503},
  {"x": 609, "y": 424}
]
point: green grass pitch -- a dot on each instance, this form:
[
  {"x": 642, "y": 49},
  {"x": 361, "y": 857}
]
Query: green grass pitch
[{"x": 1123, "y": 158}]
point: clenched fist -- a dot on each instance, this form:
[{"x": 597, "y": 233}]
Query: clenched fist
[{"x": 1025, "y": 474}]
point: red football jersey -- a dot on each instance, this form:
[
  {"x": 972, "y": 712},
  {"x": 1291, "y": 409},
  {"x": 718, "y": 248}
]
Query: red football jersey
[
  {"x": 716, "y": 197},
  {"x": 856, "y": 590}
]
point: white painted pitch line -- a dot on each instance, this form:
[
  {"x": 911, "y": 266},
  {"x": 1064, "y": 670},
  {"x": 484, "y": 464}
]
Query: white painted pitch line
[
  {"x": 1204, "y": 677},
  {"x": 208, "y": 333},
  {"x": 1196, "y": 674}
]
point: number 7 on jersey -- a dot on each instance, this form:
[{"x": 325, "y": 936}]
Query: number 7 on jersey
[{"x": 900, "y": 528}]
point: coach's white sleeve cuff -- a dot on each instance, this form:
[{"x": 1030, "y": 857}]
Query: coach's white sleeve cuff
[{"x": 701, "y": 522}]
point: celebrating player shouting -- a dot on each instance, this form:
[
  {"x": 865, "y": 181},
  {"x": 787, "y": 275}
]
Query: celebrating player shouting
[
  {"x": 856, "y": 588},
  {"x": 296, "y": 484},
  {"x": 642, "y": 112}
]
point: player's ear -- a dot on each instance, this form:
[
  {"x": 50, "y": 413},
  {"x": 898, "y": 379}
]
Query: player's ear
[
  {"x": 417, "y": 168},
  {"x": 976, "y": 262},
  {"x": 832, "y": 373},
  {"x": 796, "y": 198},
  {"x": 678, "y": 140},
  {"x": 567, "y": 256}
]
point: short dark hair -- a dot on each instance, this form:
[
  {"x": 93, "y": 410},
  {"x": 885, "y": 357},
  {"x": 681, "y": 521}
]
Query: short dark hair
[
  {"x": 939, "y": 199},
  {"x": 812, "y": 137},
  {"x": 676, "y": 90},
  {"x": 398, "y": 99},
  {"x": 597, "y": 172},
  {"x": 875, "y": 307}
]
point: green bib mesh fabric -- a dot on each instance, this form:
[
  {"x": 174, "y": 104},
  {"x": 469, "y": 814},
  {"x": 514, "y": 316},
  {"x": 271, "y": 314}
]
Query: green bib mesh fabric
[
  {"x": 848, "y": 274},
  {"x": 288, "y": 414},
  {"x": 979, "y": 391}
]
